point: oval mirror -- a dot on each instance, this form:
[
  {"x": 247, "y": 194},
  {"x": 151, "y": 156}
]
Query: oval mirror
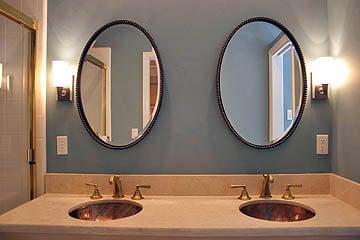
[
  {"x": 261, "y": 82},
  {"x": 119, "y": 84}
]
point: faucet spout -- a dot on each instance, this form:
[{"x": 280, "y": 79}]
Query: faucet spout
[
  {"x": 118, "y": 190},
  {"x": 265, "y": 191}
]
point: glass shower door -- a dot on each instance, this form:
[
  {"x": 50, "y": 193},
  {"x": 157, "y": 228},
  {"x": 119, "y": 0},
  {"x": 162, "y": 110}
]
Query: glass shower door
[{"x": 15, "y": 117}]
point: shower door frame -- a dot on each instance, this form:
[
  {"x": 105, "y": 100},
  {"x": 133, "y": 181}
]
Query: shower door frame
[{"x": 31, "y": 24}]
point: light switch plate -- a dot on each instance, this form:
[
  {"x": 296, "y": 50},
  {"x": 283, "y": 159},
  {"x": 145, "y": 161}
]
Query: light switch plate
[
  {"x": 134, "y": 133},
  {"x": 61, "y": 145},
  {"x": 322, "y": 144}
]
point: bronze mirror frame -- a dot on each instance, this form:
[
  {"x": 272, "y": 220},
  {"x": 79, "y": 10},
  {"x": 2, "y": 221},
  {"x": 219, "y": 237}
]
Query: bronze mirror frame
[
  {"x": 78, "y": 84},
  {"x": 304, "y": 82}
]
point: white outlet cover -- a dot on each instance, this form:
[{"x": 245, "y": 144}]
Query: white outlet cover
[
  {"x": 322, "y": 144},
  {"x": 289, "y": 115},
  {"x": 134, "y": 133},
  {"x": 61, "y": 145}
]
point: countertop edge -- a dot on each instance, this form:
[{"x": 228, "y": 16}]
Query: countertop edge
[{"x": 183, "y": 232}]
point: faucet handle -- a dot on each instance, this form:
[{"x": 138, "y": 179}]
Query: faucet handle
[
  {"x": 244, "y": 195},
  {"x": 137, "y": 194},
  {"x": 288, "y": 195},
  {"x": 96, "y": 194}
]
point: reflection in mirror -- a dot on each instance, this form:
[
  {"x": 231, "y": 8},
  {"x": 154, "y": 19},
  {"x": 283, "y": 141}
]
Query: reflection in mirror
[
  {"x": 120, "y": 85},
  {"x": 261, "y": 83}
]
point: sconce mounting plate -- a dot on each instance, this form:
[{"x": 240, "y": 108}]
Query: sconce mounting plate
[
  {"x": 64, "y": 94},
  {"x": 319, "y": 91}
]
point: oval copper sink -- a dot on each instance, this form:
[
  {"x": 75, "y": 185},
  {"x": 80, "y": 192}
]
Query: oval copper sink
[
  {"x": 105, "y": 210},
  {"x": 278, "y": 211}
]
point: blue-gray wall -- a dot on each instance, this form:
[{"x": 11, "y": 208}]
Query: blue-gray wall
[
  {"x": 127, "y": 45},
  {"x": 344, "y": 19},
  {"x": 190, "y": 135}
]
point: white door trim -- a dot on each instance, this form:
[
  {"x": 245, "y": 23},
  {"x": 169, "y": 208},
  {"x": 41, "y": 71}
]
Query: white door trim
[
  {"x": 276, "y": 95},
  {"x": 147, "y": 57}
]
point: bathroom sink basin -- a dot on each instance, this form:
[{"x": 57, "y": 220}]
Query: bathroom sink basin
[
  {"x": 105, "y": 210},
  {"x": 278, "y": 211}
]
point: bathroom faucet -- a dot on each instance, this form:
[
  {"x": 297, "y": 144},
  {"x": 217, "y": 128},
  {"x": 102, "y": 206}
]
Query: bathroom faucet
[
  {"x": 118, "y": 191},
  {"x": 265, "y": 191}
]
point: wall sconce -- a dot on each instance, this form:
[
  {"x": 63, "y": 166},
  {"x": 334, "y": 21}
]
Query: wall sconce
[
  {"x": 63, "y": 80},
  {"x": 326, "y": 71},
  {"x": 322, "y": 75}
]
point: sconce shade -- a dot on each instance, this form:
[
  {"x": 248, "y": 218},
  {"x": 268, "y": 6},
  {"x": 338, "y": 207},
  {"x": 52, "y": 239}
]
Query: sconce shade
[
  {"x": 324, "y": 70},
  {"x": 327, "y": 71},
  {"x": 61, "y": 75}
]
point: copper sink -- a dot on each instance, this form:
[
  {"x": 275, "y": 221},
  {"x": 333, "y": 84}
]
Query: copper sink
[
  {"x": 278, "y": 211},
  {"x": 105, "y": 210}
]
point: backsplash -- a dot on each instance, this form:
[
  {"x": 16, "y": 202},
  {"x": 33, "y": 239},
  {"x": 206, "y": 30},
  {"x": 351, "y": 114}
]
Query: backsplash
[
  {"x": 187, "y": 185},
  {"x": 190, "y": 135}
]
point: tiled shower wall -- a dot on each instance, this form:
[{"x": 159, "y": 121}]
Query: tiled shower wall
[
  {"x": 40, "y": 94},
  {"x": 37, "y": 10},
  {"x": 13, "y": 117}
]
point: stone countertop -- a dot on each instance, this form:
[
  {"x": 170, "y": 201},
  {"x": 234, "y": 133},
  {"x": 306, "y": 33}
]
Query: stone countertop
[{"x": 181, "y": 216}]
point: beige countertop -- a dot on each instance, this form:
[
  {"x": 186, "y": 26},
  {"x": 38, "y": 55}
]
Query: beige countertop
[{"x": 181, "y": 216}]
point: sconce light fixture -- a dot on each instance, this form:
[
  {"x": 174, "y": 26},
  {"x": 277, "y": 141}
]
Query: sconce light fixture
[
  {"x": 63, "y": 80},
  {"x": 322, "y": 76},
  {"x": 326, "y": 71}
]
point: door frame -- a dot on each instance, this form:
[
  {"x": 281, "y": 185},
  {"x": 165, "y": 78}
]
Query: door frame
[
  {"x": 275, "y": 58},
  {"x": 147, "y": 57}
]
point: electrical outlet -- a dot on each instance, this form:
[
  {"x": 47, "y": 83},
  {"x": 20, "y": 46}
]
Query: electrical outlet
[
  {"x": 289, "y": 115},
  {"x": 134, "y": 133},
  {"x": 322, "y": 144},
  {"x": 61, "y": 145}
]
